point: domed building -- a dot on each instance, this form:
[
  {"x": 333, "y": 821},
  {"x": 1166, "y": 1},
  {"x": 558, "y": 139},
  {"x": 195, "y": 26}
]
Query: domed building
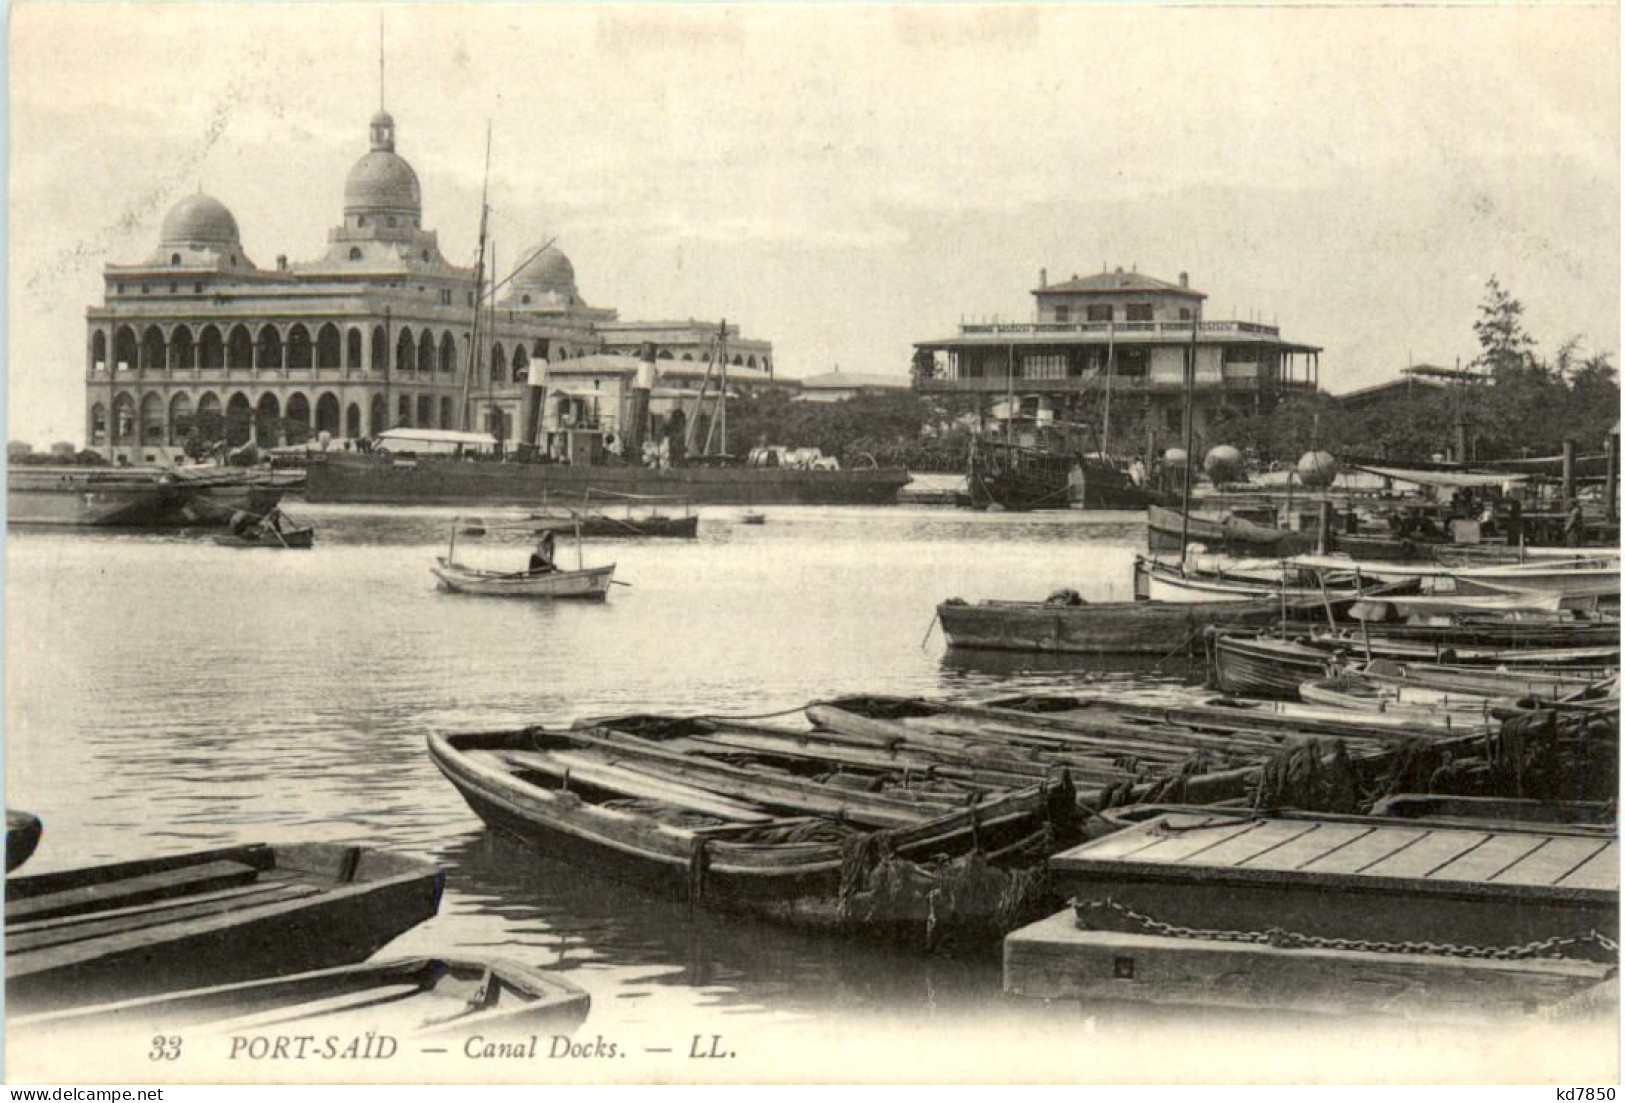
[{"x": 199, "y": 344}]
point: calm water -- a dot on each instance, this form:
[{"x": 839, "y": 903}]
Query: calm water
[{"x": 165, "y": 694}]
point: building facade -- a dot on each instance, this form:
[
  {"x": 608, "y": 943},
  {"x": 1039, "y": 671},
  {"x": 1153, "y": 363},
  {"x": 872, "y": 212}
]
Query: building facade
[
  {"x": 198, "y": 340},
  {"x": 1120, "y": 338}
]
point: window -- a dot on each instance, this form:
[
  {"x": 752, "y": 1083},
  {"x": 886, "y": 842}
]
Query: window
[
  {"x": 425, "y": 254},
  {"x": 1184, "y": 313},
  {"x": 145, "y": 289},
  {"x": 174, "y": 258},
  {"x": 234, "y": 260},
  {"x": 120, "y": 287},
  {"x": 1062, "y": 314},
  {"x": 1139, "y": 312},
  {"x": 1100, "y": 313},
  {"x": 525, "y": 299},
  {"x": 445, "y": 296},
  {"x": 1042, "y": 365},
  {"x": 391, "y": 221},
  {"x": 360, "y": 220},
  {"x": 355, "y": 252},
  {"x": 197, "y": 289},
  {"x": 174, "y": 287}
]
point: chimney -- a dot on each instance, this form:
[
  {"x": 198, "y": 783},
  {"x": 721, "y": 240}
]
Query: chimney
[
  {"x": 1185, "y": 279},
  {"x": 282, "y": 262},
  {"x": 1043, "y": 278}
]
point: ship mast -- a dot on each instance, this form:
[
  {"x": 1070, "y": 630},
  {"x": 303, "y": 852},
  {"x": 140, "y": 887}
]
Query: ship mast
[
  {"x": 479, "y": 285},
  {"x": 722, "y": 391}
]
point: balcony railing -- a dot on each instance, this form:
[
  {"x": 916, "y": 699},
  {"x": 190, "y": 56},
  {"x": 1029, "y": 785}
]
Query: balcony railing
[
  {"x": 998, "y": 385},
  {"x": 1154, "y": 328}
]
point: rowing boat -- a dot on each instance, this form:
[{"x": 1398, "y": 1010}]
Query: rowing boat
[
  {"x": 291, "y": 538},
  {"x": 239, "y": 913},
  {"x": 413, "y": 998},
  {"x": 591, "y": 584},
  {"x": 763, "y": 829}
]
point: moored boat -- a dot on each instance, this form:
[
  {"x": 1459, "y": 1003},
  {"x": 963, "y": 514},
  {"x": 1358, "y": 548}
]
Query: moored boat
[
  {"x": 304, "y": 537},
  {"x": 22, "y": 837},
  {"x": 609, "y": 525},
  {"x": 590, "y": 584},
  {"x": 661, "y": 804},
  {"x": 128, "y": 929},
  {"x": 410, "y": 998},
  {"x": 1100, "y": 628}
]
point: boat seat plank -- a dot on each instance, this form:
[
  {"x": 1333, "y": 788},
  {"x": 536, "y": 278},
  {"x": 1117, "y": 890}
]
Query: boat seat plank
[
  {"x": 1364, "y": 851},
  {"x": 1600, "y": 871},
  {"x": 39, "y": 936},
  {"x": 332, "y": 1005},
  {"x": 1427, "y": 854},
  {"x": 631, "y": 783},
  {"x": 1188, "y": 844},
  {"x": 185, "y": 881},
  {"x": 1483, "y": 862},
  {"x": 1267, "y": 838},
  {"x": 1302, "y": 849},
  {"x": 1547, "y": 864}
]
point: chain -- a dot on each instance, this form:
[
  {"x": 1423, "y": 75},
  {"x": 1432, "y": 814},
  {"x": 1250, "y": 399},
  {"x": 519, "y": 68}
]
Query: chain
[{"x": 1292, "y": 940}]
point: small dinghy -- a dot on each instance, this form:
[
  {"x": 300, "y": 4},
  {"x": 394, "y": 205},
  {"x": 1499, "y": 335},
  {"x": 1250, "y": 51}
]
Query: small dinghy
[
  {"x": 412, "y": 998},
  {"x": 213, "y": 917},
  {"x": 22, "y": 836},
  {"x": 291, "y": 538},
  {"x": 753, "y": 517},
  {"x": 591, "y": 584}
]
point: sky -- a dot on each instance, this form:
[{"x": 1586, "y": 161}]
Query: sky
[{"x": 844, "y": 181}]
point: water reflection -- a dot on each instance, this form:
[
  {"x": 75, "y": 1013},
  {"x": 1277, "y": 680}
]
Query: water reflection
[{"x": 166, "y": 694}]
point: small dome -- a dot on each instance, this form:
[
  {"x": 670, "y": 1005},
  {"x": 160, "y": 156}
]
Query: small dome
[
  {"x": 382, "y": 181},
  {"x": 383, "y": 118},
  {"x": 200, "y": 220},
  {"x": 549, "y": 270}
]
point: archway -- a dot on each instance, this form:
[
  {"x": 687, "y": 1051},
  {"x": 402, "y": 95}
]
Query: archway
[
  {"x": 152, "y": 348},
  {"x": 352, "y": 421},
  {"x": 299, "y": 352},
  {"x": 426, "y": 352},
  {"x": 268, "y": 348},
  {"x": 445, "y": 414},
  {"x": 239, "y": 420},
  {"x": 380, "y": 349},
  {"x": 208, "y": 420},
  {"x": 181, "y": 422},
  {"x": 327, "y": 346},
  {"x": 124, "y": 419},
  {"x": 296, "y": 419},
  {"x": 125, "y": 353},
  {"x": 98, "y": 351},
  {"x": 180, "y": 349},
  {"x": 405, "y": 352},
  {"x": 327, "y": 414},
  {"x": 268, "y": 421},
  {"x": 499, "y": 363},
  {"x": 352, "y": 349},
  {"x": 152, "y": 419},
  {"x": 377, "y": 416},
  {"x": 403, "y": 412},
  {"x": 521, "y": 364},
  {"x": 239, "y": 348},
  {"x": 211, "y": 350},
  {"x": 425, "y": 412},
  {"x": 448, "y": 353},
  {"x": 98, "y": 424}
]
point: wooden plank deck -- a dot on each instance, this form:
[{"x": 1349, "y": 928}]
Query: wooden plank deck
[
  {"x": 1348, "y": 877},
  {"x": 1053, "y": 959}
]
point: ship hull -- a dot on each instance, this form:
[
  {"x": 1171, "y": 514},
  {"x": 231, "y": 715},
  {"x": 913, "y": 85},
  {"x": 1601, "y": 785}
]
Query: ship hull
[{"x": 363, "y": 479}]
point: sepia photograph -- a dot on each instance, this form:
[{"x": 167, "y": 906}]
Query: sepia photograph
[{"x": 776, "y": 543}]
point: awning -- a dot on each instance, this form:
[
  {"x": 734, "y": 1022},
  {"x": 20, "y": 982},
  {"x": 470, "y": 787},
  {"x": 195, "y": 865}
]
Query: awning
[{"x": 1450, "y": 479}]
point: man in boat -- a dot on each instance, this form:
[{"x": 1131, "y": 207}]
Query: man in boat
[{"x": 541, "y": 560}]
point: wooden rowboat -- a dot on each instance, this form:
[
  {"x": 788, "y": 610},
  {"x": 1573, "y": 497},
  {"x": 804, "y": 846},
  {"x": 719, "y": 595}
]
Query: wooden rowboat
[
  {"x": 762, "y": 828},
  {"x": 411, "y": 998},
  {"x": 239, "y": 913},
  {"x": 292, "y": 538},
  {"x": 22, "y": 836},
  {"x": 591, "y": 584},
  {"x": 1104, "y": 628}
]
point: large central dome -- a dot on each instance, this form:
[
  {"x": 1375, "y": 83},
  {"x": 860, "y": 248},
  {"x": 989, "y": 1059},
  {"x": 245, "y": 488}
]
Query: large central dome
[{"x": 382, "y": 182}]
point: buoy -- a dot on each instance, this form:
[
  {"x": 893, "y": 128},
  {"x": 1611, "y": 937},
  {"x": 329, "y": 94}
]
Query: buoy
[
  {"x": 1223, "y": 464},
  {"x": 1317, "y": 469}
]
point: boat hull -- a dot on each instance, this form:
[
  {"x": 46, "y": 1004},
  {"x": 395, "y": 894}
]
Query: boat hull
[
  {"x": 1266, "y": 668},
  {"x": 588, "y": 585},
  {"x": 679, "y": 528},
  {"x": 327, "y": 905},
  {"x": 371, "y": 479},
  {"x": 1166, "y": 528},
  {"x": 1109, "y": 628}
]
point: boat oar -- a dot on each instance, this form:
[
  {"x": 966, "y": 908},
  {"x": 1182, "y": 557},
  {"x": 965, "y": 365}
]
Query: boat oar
[{"x": 618, "y": 582}]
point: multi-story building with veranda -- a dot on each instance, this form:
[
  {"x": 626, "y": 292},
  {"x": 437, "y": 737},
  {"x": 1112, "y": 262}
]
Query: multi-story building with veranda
[
  {"x": 375, "y": 333},
  {"x": 1127, "y": 334}
]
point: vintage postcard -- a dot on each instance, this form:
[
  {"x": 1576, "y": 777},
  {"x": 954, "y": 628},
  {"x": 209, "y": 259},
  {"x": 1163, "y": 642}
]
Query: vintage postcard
[{"x": 774, "y": 543}]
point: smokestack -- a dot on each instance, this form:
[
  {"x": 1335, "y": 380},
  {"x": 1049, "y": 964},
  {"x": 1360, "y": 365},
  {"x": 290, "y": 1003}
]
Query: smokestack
[
  {"x": 535, "y": 410},
  {"x": 1185, "y": 279},
  {"x": 637, "y": 417},
  {"x": 1043, "y": 278}
]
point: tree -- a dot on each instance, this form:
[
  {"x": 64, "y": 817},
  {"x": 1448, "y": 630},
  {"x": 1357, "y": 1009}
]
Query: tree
[
  {"x": 922, "y": 368},
  {"x": 1504, "y": 347}
]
